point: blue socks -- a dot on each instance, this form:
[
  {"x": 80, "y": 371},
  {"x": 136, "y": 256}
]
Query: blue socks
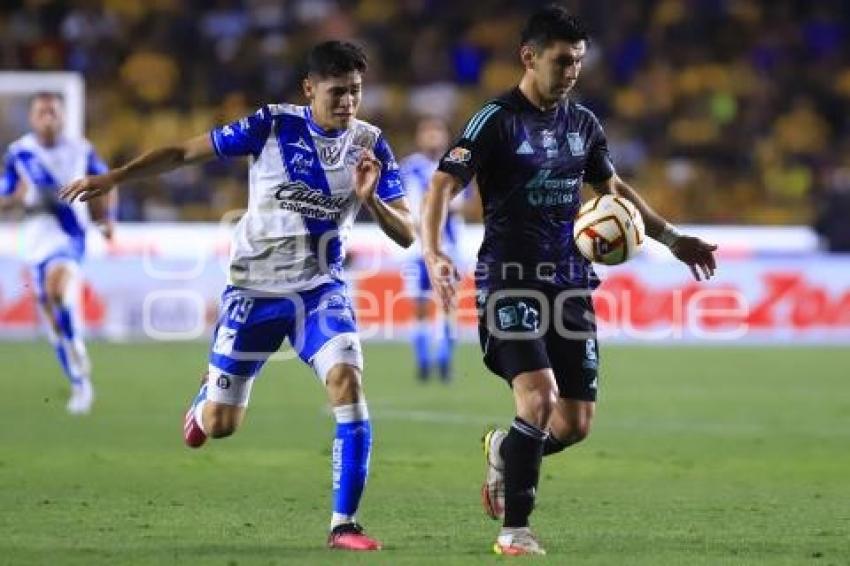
[
  {"x": 69, "y": 348},
  {"x": 422, "y": 350},
  {"x": 350, "y": 452},
  {"x": 445, "y": 347}
]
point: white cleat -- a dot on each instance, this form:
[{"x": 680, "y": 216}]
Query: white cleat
[
  {"x": 82, "y": 399},
  {"x": 517, "y": 542},
  {"x": 493, "y": 490}
]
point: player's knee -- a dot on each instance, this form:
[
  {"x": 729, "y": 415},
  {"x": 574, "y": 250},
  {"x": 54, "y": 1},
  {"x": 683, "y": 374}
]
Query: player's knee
[
  {"x": 55, "y": 284},
  {"x": 544, "y": 403},
  {"x": 54, "y": 295},
  {"x": 538, "y": 404},
  {"x": 338, "y": 364},
  {"x": 571, "y": 432},
  {"x": 343, "y": 384},
  {"x": 579, "y": 432}
]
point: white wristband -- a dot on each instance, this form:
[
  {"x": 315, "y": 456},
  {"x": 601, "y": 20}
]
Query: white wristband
[{"x": 669, "y": 235}]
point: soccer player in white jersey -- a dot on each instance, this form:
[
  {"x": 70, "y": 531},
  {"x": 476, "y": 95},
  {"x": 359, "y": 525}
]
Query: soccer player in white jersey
[
  {"x": 35, "y": 167},
  {"x": 433, "y": 345},
  {"x": 311, "y": 168}
]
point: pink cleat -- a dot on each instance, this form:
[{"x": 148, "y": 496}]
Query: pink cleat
[
  {"x": 350, "y": 536},
  {"x": 193, "y": 434}
]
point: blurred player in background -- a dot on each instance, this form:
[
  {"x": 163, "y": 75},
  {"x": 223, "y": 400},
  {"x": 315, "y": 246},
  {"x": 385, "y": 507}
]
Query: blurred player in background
[
  {"x": 433, "y": 344},
  {"x": 35, "y": 167},
  {"x": 311, "y": 168},
  {"x": 531, "y": 150}
]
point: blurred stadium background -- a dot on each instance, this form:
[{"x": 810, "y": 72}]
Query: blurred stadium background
[{"x": 724, "y": 442}]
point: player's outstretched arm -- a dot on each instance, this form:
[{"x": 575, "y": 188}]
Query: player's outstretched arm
[
  {"x": 692, "y": 251},
  {"x": 441, "y": 269},
  {"x": 153, "y": 162},
  {"x": 393, "y": 217}
]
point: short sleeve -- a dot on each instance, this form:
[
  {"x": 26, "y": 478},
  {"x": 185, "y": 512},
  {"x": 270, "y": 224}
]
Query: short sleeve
[
  {"x": 246, "y": 136},
  {"x": 94, "y": 164},
  {"x": 9, "y": 180},
  {"x": 473, "y": 147},
  {"x": 390, "y": 186},
  {"x": 599, "y": 166}
]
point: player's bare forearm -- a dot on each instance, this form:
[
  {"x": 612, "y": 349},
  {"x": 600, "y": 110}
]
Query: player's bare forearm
[
  {"x": 151, "y": 163},
  {"x": 441, "y": 269},
  {"x": 435, "y": 207},
  {"x": 167, "y": 158},
  {"x": 394, "y": 218},
  {"x": 653, "y": 221},
  {"x": 695, "y": 253}
]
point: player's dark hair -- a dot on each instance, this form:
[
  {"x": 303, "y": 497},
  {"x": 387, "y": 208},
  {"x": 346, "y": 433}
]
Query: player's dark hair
[
  {"x": 552, "y": 23},
  {"x": 335, "y": 58},
  {"x": 46, "y": 94}
]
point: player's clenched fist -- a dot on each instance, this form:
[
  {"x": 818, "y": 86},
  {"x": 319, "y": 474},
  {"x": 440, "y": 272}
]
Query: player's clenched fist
[{"x": 366, "y": 175}]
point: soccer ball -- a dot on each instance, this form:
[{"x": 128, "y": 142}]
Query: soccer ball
[{"x": 608, "y": 229}]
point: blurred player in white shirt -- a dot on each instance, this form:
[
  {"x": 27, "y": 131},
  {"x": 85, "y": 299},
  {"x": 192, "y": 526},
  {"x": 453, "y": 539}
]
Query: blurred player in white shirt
[
  {"x": 35, "y": 167},
  {"x": 311, "y": 169},
  {"x": 433, "y": 343}
]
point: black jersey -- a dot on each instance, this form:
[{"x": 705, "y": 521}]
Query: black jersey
[{"x": 530, "y": 166}]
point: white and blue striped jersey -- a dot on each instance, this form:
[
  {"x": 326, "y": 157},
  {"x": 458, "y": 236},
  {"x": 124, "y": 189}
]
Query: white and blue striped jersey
[
  {"x": 51, "y": 228},
  {"x": 416, "y": 172},
  {"x": 301, "y": 202}
]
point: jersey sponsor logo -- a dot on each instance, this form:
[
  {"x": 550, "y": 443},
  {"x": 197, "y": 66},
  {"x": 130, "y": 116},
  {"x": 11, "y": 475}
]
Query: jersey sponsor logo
[
  {"x": 298, "y": 197},
  {"x": 525, "y": 148},
  {"x": 459, "y": 155},
  {"x": 576, "y": 144},
  {"x": 301, "y": 164},
  {"x": 542, "y": 190}
]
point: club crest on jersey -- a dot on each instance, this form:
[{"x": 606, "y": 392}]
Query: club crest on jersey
[
  {"x": 459, "y": 155},
  {"x": 550, "y": 144},
  {"x": 329, "y": 154},
  {"x": 576, "y": 143}
]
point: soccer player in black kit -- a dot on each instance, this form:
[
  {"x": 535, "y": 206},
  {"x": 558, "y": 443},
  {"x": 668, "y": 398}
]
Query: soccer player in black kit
[{"x": 531, "y": 150}]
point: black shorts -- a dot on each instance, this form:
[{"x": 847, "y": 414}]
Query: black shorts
[{"x": 526, "y": 330}]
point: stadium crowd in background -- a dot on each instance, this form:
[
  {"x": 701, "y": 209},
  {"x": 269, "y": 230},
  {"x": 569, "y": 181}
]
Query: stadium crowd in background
[{"x": 724, "y": 110}]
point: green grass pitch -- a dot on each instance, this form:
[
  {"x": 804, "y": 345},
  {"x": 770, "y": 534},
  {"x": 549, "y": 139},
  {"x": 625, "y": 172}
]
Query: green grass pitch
[{"x": 698, "y": 456}]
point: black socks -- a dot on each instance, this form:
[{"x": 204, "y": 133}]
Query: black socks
[
  {"x": 522, "y": 451},
  {"x": 552, "y": 445}
]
